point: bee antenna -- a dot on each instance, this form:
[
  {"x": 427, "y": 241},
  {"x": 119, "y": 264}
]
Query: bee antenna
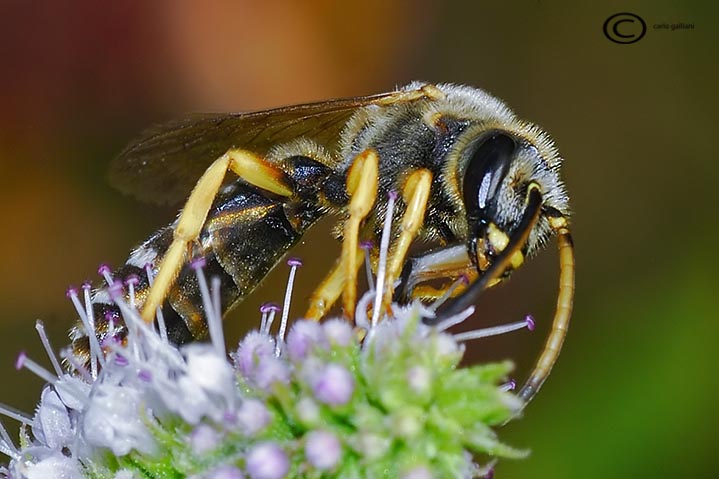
[{"x": 562, "y": 315}]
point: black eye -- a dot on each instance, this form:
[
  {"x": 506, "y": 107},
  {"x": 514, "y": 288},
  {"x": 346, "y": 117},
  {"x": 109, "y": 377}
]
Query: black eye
[{"x": 486, "y": 169}]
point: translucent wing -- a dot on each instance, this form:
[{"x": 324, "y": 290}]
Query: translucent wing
[{"x": 164, "y": 163}]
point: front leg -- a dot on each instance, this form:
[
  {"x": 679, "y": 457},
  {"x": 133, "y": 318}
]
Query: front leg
[
  {"x": 248, "y": 166},
  {"x": 440, "y": 263}
]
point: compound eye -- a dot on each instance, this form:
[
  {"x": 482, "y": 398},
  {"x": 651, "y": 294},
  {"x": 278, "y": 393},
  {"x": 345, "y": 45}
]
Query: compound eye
[{"x": 485, "y": 171}]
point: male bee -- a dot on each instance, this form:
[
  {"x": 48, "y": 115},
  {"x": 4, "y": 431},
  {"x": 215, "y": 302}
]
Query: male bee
[{"x": 471, "y": 177}]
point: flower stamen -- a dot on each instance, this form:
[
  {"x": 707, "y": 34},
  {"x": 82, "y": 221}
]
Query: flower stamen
[
  {"x": 105, "y": 271},
  {"x": 23, "y": 361},
  {"x": 383, "y": 250},
  {"x": 8, "y": 447},
  {"x": 158, "y": 314},
  {"x": 40, "y": 328},
  {"x": 95, "y": 351},
  {"x": 13, "y": 413},
  {"x": 293, "y": 263},
  {"x": 510, "y": 385},
  {"x": 212, "y": 311},
  {"x": 268, "y": 310},
  {"x": 367, "y": 247},
  {"x": 462, "y": 280},
  {"x": 527, "y": 322}
]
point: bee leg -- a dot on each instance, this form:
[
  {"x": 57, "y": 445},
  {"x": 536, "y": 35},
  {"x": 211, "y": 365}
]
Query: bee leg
[
  {"x": 247, "y": 166},
  {"x": 446, "y": 262},
  {"x": 362, "y": 189},
  {"x": 326, "y": 294},
  {"x": 416, "y": 195}
]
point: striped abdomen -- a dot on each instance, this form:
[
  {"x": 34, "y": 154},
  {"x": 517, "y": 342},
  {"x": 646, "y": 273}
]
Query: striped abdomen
[{"x": 246, "y": 233}]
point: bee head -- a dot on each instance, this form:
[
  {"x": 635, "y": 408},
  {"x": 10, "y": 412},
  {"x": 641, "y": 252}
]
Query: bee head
[{"x": 509, "y": 185}]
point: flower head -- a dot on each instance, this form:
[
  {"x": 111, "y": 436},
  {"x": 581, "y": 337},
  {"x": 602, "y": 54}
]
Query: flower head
[{"x": 386, "y": 399}]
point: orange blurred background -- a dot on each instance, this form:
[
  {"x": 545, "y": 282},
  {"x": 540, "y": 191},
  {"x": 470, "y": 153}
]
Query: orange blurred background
[{"x": 635, "y": 391}]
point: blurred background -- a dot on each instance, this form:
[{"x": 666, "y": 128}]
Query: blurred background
[{"x": 634, "y": 394}]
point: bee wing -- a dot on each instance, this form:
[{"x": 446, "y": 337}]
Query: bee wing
[{"x": 163, "y": 164}]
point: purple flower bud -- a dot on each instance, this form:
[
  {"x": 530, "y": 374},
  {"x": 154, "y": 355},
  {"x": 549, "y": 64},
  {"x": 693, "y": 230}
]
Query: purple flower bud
[
  {"x": 334, "y": 385},
  {"x": 308, "y": 411},
  {"x": 323, "y": 450},
  {"x": 270, "y": 370},
  {"x": 267, "y": 461},
  {"x": 251, "y": 350},
  {"x": 253, "y": 416},
  {"x": 338, "y": 331},
  {"x": 303, "y": 337},
  {"x": 226, "y": 472},
  {"x": 204, "y": 439}
]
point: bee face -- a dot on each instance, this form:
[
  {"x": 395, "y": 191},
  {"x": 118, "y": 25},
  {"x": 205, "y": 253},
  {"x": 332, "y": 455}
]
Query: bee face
[{"x": 494, "y": 171}]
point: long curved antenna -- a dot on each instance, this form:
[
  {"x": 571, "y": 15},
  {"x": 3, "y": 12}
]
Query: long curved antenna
[{"x": 562, "y": 315}]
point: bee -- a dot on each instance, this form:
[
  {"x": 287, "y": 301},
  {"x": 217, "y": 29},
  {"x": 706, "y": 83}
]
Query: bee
[{"x": 471, "y": 178}]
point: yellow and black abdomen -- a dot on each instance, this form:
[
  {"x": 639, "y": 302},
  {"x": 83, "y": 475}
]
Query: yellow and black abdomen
[{"x": 247, "y": 232}]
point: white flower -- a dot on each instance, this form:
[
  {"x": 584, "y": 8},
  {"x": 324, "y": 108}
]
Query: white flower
[
  {"x": 52, "y": 425},
  {"x": 55, "y": 466},
  {"x": 115, "y": 420}
]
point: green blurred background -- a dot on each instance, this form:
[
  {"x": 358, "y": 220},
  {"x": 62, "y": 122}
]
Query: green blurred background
[{"x": 635, "y": 392}]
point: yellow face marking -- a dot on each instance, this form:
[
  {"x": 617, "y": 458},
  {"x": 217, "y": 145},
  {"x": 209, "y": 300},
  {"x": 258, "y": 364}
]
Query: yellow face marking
[{"x": 497, "y": 238}]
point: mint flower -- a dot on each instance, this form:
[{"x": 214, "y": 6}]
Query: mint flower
[{"x": 387, "y": 398}]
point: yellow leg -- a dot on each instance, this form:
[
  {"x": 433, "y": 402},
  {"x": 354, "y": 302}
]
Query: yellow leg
[
  {"x": 325, "y": 295},
  {"x": 416, "y": 195},
  {"x": 362, "y": 189},
  {"x": 246, "y": 165}
]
